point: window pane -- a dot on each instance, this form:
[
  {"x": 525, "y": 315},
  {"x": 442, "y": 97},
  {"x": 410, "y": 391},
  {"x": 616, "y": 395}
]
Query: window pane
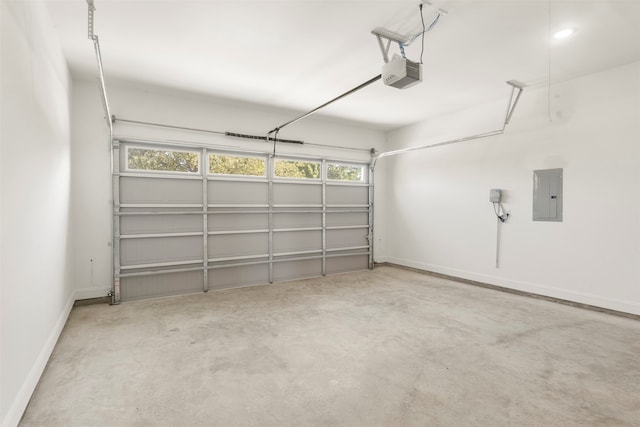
[
  {"x": 342, "y": 172},
  {"x": 162, "y": 160},
  {"x": 297, "y": 169},
  {"x": 236, "y": 165}
]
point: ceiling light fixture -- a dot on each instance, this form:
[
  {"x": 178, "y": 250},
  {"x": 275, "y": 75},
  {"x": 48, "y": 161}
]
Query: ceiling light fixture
[{"x": 563, "y": 34}]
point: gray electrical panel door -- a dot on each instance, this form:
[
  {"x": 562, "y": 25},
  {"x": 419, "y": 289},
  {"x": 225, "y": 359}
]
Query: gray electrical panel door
[
  {"x": 193, "y": 230},
  {"x": 547, "y": 195}
]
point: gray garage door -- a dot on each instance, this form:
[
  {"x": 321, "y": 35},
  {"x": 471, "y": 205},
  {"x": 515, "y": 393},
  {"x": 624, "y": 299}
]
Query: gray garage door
[{"x": 195, "y": 219}]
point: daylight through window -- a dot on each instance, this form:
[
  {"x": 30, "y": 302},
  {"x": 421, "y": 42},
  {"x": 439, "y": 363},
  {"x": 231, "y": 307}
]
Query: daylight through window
[
  {"x": 297, "y": 169},
  {"x": 345, "y": 172},
  {"x": 224, "y": 164},
  {"x": 162, "y": 160}
]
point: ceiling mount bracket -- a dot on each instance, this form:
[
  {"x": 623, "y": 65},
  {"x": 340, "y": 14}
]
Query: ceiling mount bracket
[
  {"x": 91, "y": 10},
  {"x": 403, "y": 40},
  {"x": 96, "y": 45},
  {"x": 384, "y": 49},
  {"x": 389, "y": 36},
  {"x": 515, "y": 85}
]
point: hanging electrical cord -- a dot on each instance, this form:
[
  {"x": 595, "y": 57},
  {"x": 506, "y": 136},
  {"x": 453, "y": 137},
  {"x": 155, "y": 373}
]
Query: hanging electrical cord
[
  {"x": 425, "y": 30},
  {"x": 502, "y": 218},
  {"x": 439, "y": 13},
  {"x": 497, "y": 208}
]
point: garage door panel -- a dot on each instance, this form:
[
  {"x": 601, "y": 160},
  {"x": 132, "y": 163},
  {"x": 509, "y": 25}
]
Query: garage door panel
[
  {"x": 339, "y": 219},
  {"x": 159, "y": 190},
  {"x": 297, "y": 220},
  {"x": 165, "y": 209},
  {"x": 235, "y": 221},
  {"x": 160, "y": 285},
  {"x": 346, "y": 195},
  {"x": 146, "y": 224},
  {"x": 162, "y": 249},
  {"x": 347, "y": 263},
  {"x": 238, "y": 245},
  {"x": 297, "y": 241},
  {"x": 347, "y": 238},
  {"x": 291, "y": 270},
  {"x": 290, "y": 193},
  {"x": 231, "y": 192},
  {"x": 258, "y": 229},
  {"x": 233, "y": 277}
]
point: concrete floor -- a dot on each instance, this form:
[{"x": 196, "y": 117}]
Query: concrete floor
[{"x": 387, "y": 347}]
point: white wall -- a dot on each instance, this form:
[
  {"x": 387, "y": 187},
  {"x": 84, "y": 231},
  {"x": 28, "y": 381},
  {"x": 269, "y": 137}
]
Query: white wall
[
  {"x": 432, "y": 210},
  {"x": 35, "y": 287},
  {"x": 439, "y": 217},
  {"x": 91, "y": 158}
]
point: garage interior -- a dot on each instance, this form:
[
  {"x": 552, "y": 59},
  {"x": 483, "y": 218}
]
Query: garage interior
[{"x": 262, "y": 213}]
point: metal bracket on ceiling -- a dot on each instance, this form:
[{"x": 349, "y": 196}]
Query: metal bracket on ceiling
[
  {"x": 511, "y": 106},
  {"x": 515, "y": 85},
  {"x": 404, "y": 40},
  {"x": 384, "y": 49},
  {"x": 389, "y": 36},
  {"x": 91, "y": 9},
  {"x": 96, "y": 44}
]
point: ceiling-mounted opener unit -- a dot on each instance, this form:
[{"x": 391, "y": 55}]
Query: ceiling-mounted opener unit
[{"x": 401, "y": 72}]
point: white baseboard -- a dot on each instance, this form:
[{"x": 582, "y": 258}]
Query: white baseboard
[
  {"x": 19, "y": 405},
  {"x": 534, "y": 288},
  {"x": 87, "y": 293},
  {"x": 28, "y": 387}
]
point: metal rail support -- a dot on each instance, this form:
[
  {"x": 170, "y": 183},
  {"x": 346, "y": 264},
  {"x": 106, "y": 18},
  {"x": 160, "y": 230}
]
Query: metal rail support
[
  {"x": 384, "y": 49},
  {"x": 513, "y": 102},
  {"x": 205, "y": 219},
  {"x": 115, "y": 160},
  {"x": 96, "y": 45},
  {"x": 347, "y": 93},
  {"x": 511, "y": 106},
  {"x": 324, "y": 217},
  {"x": 370, "y": 236},
  {"x": 270, "y": 171},
  {"x": 115, "y": 236}
]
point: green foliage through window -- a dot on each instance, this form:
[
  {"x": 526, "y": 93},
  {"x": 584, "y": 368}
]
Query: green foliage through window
[
  {"x": 297, "y": 169},
  {"x": 236, "y": 165},
  {"x": 162, "y": 160},
  {"x": 343, "y": 172}
]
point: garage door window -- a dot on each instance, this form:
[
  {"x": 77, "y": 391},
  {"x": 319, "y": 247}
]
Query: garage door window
[
  {"x": 148, "y": 159},
  {"x": 223, "y": 164},
  {"x": 297, "y": 169},
  {"x": 345, "y": 172}
]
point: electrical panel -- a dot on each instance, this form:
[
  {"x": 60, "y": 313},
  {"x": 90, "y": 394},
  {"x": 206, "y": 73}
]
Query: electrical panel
[
  {"x": 495, "y": 195},
  {"x": 547, "y": 195}
]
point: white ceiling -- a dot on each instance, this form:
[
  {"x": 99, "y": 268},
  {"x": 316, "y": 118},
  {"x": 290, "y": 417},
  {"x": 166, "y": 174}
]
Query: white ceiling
[{"x": 298, "y": 54}]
